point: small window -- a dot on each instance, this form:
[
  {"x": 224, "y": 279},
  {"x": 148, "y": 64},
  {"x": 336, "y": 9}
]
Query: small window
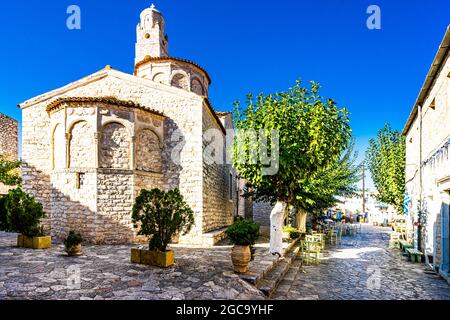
[
  {"x": 231, "y": 186},
  {"x": 80, "y": 180}
]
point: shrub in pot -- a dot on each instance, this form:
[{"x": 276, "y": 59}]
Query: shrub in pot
[
  {"x": 291, "y": 232},
  {"x": 159, "y": 216},
  {"x": 23, "y": 215},
  {"x": 243, "y": 234},
  {"x": 72, "y": 244}
]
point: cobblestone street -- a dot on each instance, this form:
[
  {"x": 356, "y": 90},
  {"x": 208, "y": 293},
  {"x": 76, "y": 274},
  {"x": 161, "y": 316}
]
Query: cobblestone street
[
  {"x": 352, "y": 270},
  {"x": 106, "y": 273}
]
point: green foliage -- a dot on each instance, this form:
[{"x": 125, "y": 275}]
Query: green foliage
[
  {"x": 293, "y": 232},
  {"x": 23, "y": 213},
  {"x": 313, "y": 132},
  {"x": 160, "y": 215},
  {"x": 386, "y": 159},
  {"x": 338, "y": 179},
  {"x": 3, "y": 215},
  {"x": 243, "y": 232},
  {"x": 73, "y": 239},
  {"x": 10, "y": 172}
]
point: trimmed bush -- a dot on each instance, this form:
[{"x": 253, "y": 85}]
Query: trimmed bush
[
  {"x": 160, "y": 215},
  {"x": 3, "y": 216},
  {"x": 243, "y": 232},
  {"x": 23, "y": 213}
]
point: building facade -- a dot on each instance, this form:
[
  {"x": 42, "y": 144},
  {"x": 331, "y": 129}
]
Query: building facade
[
  {"x": 9, "y": 142},
  {"x": 91, "y": 146},
  {"x": 427, "y": 133}
]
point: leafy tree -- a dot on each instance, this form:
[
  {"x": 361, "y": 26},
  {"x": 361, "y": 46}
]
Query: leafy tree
[
  {"x": 160, "y": 215},
  {"x": 23, "y": 213},
  {"x": 10, "y": 172},
  {"x": 386, "y": 159},
  {"x": 338, "y": 179},
  {"x": 313, "y": 132}
]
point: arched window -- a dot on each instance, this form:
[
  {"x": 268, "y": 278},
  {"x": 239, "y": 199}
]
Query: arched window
[
  {"x": 148, "y": 151},
  {"x": 115, "y": 147},
  {"x": 81, "y": 146},
  {"x": 180, "y": 81},
  {"x": 197, "y": 87}
]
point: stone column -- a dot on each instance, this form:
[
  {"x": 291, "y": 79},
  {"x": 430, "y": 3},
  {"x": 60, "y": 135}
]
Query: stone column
[
  {"x": 97, "y": 137},
  {"x": 68, "y": 137},
  {"x": 132, "y": 153}
]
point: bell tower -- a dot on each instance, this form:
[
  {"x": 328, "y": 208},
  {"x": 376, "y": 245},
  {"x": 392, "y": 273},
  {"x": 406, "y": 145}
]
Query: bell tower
[{"x": 151, "y": 39}]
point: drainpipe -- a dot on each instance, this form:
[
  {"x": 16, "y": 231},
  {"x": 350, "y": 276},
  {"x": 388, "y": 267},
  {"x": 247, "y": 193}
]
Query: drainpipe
[{"x": 419, "y": 229}]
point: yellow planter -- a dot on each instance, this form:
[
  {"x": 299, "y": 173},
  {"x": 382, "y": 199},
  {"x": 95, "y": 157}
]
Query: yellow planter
[
  {"x": 35, "y": 242},
  {"x": 153, "y": 258}
]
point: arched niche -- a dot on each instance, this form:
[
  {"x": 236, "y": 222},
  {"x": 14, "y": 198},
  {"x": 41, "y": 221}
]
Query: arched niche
[
  {"x": 197, "y": 87},
  {"x": 159, "y": 77},
  {"x": 148, "y": 151},
  {"x": 114, "y": 146},
  {"x": 81, "y": 154},
  {"x": 181, "y": 81}
]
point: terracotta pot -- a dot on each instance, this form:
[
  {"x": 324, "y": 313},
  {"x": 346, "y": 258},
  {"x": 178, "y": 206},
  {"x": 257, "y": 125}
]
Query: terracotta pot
[
  {"x": 241, "y": 256},
  {"x": 74, "y": 250}
]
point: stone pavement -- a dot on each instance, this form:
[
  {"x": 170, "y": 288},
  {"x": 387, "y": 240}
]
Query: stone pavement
[
  {"x": 105, "y": 272},
  {"x": 362, "y": 268}
]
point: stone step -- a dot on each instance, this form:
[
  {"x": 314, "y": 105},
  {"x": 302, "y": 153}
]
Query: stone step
[
  {"x": 272, "y": 279},
  {"x": 262, "y": 268}
]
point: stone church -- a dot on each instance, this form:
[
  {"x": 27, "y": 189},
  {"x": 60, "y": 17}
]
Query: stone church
[{"x": 91, "y": 146}]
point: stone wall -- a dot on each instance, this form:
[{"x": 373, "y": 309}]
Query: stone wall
[
  {"x": 219, "y": 180},
  {"x": 9, "y": 135},
  {"x": 261, "y": 215},
  {"x": 181, "y": 136},
  {"x": 8, "y": 142},
  {"x": 436, "y": 174}
]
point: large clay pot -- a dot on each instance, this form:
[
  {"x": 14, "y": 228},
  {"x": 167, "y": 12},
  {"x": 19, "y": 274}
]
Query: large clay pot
[{"x": 241, "y": 256}]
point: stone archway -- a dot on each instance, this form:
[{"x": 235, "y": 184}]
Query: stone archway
[
  {"x": 148, "y": 151},
  {"x": 115, "y": 147}
]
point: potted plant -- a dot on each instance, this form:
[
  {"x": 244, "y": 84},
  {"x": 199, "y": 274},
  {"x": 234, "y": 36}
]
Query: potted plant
[
  {"x": 159, "y": 216},
  {"x": 23, "y": 215},
  {"x": 243, "y": 234},
  {"x": 291, "y": 233},
  {"x": 72, "y": 244}
]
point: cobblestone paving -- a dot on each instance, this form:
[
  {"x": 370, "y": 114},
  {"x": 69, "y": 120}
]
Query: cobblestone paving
[
  {"x": 353, "y": 270},
  {"x": 106, "y": 273}
]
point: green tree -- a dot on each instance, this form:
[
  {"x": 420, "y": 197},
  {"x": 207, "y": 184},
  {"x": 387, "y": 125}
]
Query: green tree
[
  {"x": 10, "y": 172},
  {"x": 23, "y": 213},
  {"x": 386, "y": 159},
  {"x": 338, "y": 179},
  {"x": 313, "y": 132}
]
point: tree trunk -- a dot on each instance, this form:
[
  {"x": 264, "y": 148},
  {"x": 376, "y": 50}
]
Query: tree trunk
[
  {"x": 276, "y": 228},
  {"x": 301, "y": 220}
]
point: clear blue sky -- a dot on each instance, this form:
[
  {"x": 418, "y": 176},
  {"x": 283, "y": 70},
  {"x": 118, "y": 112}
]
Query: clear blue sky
[{"x": 246, "y": 46}]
